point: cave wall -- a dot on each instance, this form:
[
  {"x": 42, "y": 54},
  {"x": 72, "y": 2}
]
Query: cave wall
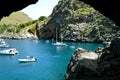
[
  {"x": 109, "y": 8},
  {"x": 9, "y": 6}
]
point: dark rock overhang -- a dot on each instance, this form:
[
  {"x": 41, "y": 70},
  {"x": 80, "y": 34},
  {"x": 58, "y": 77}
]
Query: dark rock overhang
[
  {"x": 109, "y": 8},
  {"x": 8, "y": 6}
]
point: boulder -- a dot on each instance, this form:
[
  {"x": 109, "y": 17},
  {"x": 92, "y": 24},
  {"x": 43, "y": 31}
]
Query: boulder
[{"x": 82, "y": 64}]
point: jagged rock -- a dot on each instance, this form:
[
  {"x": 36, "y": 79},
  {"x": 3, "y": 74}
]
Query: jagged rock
[
  {"x": 77, "y": 21},
  {"x": 115, "y": 46},
  {"x": 106, "y": 64},
  {"x": 18, "y": 36},
  {"x": 110, "y": 59},
  {"x": 83, "y": 64}
]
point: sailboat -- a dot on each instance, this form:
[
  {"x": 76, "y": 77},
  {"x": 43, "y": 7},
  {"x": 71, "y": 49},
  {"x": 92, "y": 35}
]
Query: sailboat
[{"x": 59, "y": 43}]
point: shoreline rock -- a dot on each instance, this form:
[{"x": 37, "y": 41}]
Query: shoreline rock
[
  {"x": 105, "y": 67},
  {"x": 83, "y": 63},
  {"x": 18, "y": 36}
]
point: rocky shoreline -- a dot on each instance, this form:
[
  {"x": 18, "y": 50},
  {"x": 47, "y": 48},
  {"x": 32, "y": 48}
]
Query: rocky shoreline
[
  {"x": 103, "y": 64},
  {"x": 18, "y": 36}
]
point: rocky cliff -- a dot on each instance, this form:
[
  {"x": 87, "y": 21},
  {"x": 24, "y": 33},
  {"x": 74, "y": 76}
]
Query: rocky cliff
[
  {"x": 77, "y": 21},
  {"x": 103, "y": 64}
]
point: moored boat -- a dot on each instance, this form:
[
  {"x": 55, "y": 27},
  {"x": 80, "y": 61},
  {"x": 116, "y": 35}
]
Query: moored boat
[
  {"x": 60, "y": 44},
  {"x": 10, "y": 51},
  {"x": 28, "y": 59},
  {"x": 3, "y": 43}
]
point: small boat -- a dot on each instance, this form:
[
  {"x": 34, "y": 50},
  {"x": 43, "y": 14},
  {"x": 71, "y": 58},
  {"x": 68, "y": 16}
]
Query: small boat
[
  {"x": 59, "y": 44},
  {"x": 3, "y": 43},
  {"x": 28, "y": 59},
  {"x": 47, "y": 41},
  {"x": 72, "y": 46},
  {"x": 10, "y": 51}
]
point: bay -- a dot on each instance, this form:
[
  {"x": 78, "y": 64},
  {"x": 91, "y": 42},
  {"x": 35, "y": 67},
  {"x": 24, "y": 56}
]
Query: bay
[{"x": 51, "y": 62}]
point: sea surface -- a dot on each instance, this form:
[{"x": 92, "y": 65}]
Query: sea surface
[{"x": 51, "y": 61}]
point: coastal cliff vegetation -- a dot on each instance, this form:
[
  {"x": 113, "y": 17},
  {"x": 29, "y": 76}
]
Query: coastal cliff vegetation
[
  {"x": 18, "y": 25},
  {"x": 77, "y": 21}
]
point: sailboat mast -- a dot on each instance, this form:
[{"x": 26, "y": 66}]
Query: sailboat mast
[
  {"x": 56, "y": 34},
  {"x": 61, "y": 36}
]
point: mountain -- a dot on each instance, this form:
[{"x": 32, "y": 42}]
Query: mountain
[
  {"x": 25, "y": 30},
  {"x": 15, "y": 18},
  {"x": 77, "y": 21}
]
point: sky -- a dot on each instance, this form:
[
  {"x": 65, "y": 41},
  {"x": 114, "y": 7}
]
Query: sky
[{"x": 41, "y": 8}]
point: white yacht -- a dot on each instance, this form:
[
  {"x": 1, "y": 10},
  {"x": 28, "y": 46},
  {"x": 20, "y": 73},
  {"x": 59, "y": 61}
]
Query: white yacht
[
  {"x": 72, "y": 46},
  {"x": 59, "y": 43},
  {"x": 28, "y": 59},
  {"x": 9, "y": 51}
]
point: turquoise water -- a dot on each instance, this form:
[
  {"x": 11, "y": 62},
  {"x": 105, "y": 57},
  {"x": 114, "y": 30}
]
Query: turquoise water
[{"x": 51, "y": 60}]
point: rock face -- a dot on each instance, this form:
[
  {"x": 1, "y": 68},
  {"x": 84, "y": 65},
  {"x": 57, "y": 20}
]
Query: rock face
[
  {"x": 103, "y": 64},
  {"x": 18, "y": 36},
  {"x": 77, "y": 21},
  {"x": 83, "y": 64}
]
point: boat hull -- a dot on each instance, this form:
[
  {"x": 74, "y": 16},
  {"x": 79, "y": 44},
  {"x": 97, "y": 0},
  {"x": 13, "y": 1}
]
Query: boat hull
[
  {"x": 26, "y": 60},
  {"x": 59, "y": 44},
  {"x": 9, "y": 52}
]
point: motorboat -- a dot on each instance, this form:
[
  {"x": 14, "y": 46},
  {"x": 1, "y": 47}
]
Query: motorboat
[
  {"x": 9, "y": 51},
  {"x": 28, "y": 59},
  {"x": 47, "y": 41},
  {"x": 3, "y": 43},
  {"x": 72, "y": 46},
  {"x": 59, "y": 44}
]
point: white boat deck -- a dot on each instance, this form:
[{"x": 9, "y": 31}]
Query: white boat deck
[
  {"x": 60, "y": 44},
  {"x": 11, "y": 51},
  {"x": 27, "y": 59}
]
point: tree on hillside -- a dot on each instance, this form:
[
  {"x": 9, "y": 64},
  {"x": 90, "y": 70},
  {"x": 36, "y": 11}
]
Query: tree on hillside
[{"x": 41, "y": 18}]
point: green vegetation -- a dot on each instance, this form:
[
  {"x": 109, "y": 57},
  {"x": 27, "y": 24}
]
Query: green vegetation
[
  {"x": 32, "y": 30},
  {"x": 19, "y": 22},
  {"x": 15, "y": 18},
  {"x": 42, "y": 18},
  {"x": 19, "y": 27},
  {"x": 2, "y": 29}
]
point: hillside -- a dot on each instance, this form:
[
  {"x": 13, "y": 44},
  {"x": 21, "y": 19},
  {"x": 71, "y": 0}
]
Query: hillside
[
  {"x": 77, "y": 21},
  {"x": 15, "y": 18},
  {"x": 26, "y": 30}
]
